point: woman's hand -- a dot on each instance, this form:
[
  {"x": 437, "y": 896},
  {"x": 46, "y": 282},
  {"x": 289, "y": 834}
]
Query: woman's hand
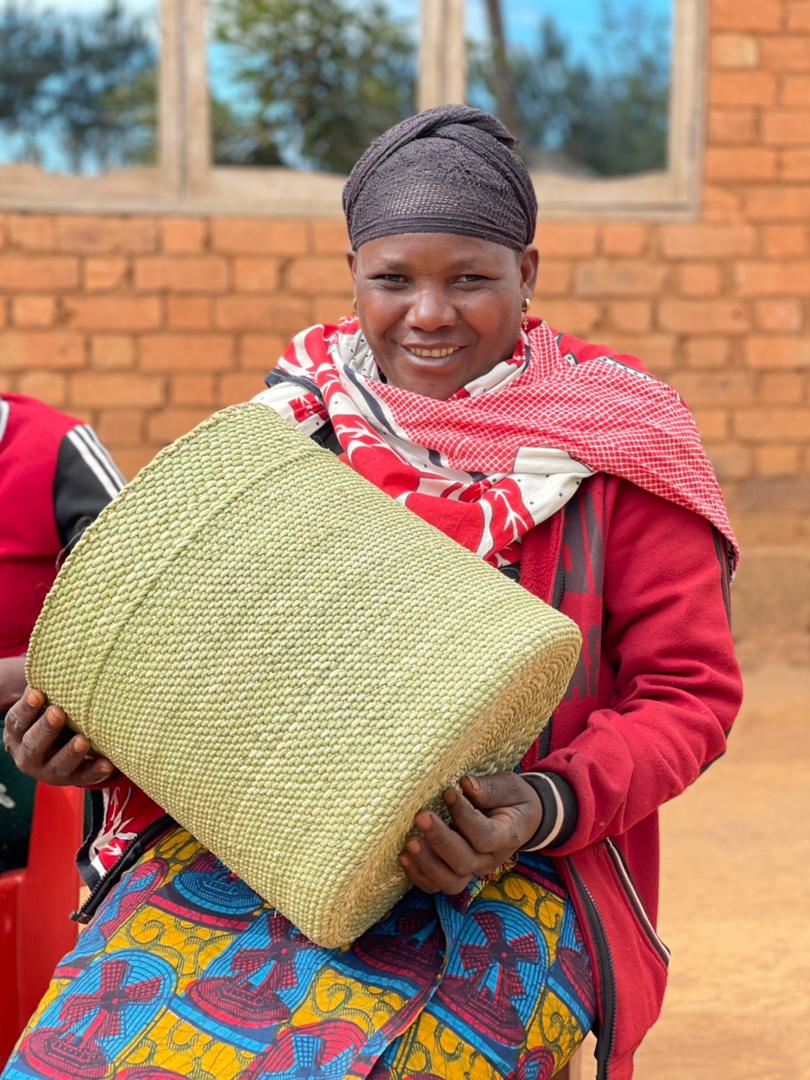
[
  {"x": 12, "y": 679},
  {"x": 37, "y": 737},
  {"x": 494, "y": 816}
]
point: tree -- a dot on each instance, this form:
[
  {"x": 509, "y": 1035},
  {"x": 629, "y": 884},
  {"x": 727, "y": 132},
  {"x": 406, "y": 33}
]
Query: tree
[{"x": 319, "y": 80}]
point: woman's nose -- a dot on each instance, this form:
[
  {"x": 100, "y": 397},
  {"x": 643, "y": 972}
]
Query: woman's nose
[{"x": 430, "y": 310}]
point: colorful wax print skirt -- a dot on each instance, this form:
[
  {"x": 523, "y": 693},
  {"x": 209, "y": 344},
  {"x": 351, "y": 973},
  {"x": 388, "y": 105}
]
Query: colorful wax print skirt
[{"x": 186, "y": 972}]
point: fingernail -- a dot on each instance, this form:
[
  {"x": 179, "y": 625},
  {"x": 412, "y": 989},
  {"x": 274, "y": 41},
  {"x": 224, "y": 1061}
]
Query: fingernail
[
  {"x": 35, "y": 698},
  {"x": 414, "y": 846},
  {"x": 81, "y": 745},
  {"x": 474, "y": 784},
  {"x": 404, "y": 860},
  {"x": 424, "y": 821},
  {"x": 451, "y": 797},
  {"x": 55, "y": 715}
]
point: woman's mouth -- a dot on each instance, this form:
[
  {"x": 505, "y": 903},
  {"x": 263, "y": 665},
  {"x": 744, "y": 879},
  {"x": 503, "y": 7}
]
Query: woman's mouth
[{"x": 437, "y": 352}]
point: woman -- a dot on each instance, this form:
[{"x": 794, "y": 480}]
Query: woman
[{"x": 532, "y": 919}]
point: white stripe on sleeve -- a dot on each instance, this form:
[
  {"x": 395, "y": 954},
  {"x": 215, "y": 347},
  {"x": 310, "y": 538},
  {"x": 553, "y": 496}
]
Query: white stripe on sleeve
[{"x": 93, "y": 464}]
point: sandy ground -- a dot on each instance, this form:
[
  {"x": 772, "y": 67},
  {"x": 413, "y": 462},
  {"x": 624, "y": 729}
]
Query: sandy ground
[{"x": 736, "y": 903}]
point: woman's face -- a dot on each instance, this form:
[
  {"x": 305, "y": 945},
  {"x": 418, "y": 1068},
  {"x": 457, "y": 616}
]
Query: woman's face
[{"x": 437, "y": 309}]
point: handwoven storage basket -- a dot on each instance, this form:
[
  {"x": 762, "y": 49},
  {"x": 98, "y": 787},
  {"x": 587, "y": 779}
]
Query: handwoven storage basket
[{"x": 291, "y": 663}]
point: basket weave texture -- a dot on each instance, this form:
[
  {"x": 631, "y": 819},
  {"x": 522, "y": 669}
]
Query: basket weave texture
[{"x": 291, "y": 663}]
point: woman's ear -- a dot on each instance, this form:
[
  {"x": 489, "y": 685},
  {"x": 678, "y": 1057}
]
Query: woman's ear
[
  {"x": 351, "y": 258},
  {"x": 529, "y": 262}
]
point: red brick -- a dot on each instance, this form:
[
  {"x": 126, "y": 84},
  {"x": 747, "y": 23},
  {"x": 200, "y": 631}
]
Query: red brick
[
  {"x": 773, "y": 424},
  {"x": 282, "y": 314},
  {"x": 779, "y": 315},
  {"x": 329, "y": 237},
  {"x": 48, "y": 349},
  {"x": 186, "y": 352},
  {"x": 778, "y": 203},
  {"x": 104, "y": 274},
  {"x": 776, "y": 278},
  {"x": 257, "y": 275},
  {"x": 776, "y": 460},
  {"x": 796, "y": 164},
  {"x": 739, "y": 88},
  {"x": 752, "y": 163},
  {"x": 656, "y": 351},
  {"x": 86, "y": 234},
  {"x": 707, "y": 352},
  {"x": 569, "y": 316},
  {"x": 4, "y": 317},
  {"x": 131, "y": 461},
  {"x": 166, "y": 426},
  {"x": 239, "y": 387},
  {"x": 786, "y": 127},
  {"x": 734, "y": 51},
  {"x": 38, "y": 273},
  {"x": 775, "y": 351},
  {"x": 114, "y": 313},
  {"x": 260, "y": 352},
  {"x": 796, "y": 91},
  {"x": 120, "y": 427},
  {"x": 798, "y": 15},
  {"x": 706, "y": 316},
  {"x": 699, "y": 279},
  {"x": 31, "y": 232},
  {"x": 631, "y": 316},
  {"x": 34, "y": 311},
  {"x": 554, "y": 278},
  {"x": 112, "y": 351},
  {"x": 721, "y": 205},
  {"x": 781, "y": 388},
  {"x": 252, "y": 236},
  {"x": 100, "y": 389},
  {"x": 562, "y": 239},
  {"x": 184, "y": 274},
  {"x": 712, "y": 423},
  {"x": 184, "y": 236},
  {"x": 707, "y": 241},
  {"x": 619, "y": 278},
  {"x": 48, "y": 386},
  {"x": 624, "y": 238},
  {"x": 329, "y": 309},
  {"x": 786, "y": 53},
  {"x": 3, "y": 230},
  {"x": 736, "y": 126},
  {"x": 784, "y": 241},
  {"x": 192, "y": 390},
  {"x": 189, "y": 313},
  {"x": 746, "y": 14},
  {"x": 315, "y": 276},
  {"x": 714, "y": 388},
  {"x": 731, "y": 461}
]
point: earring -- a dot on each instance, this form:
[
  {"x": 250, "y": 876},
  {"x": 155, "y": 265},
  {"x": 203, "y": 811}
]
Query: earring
[{"x": 524, "y": 307}]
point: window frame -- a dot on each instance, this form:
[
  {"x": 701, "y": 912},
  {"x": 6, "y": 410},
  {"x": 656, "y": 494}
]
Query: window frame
[{"x": 186, "y": 181}]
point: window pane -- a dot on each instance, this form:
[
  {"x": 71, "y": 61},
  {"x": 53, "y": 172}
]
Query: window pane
[
  {"x": 78, "y": 83},
  {"x": 308, "y": 84},
  {"x": 584, "y": 84}
]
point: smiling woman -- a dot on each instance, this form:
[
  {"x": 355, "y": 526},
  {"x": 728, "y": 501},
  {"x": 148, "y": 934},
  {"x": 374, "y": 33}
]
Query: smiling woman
[{"x": 531, "y": 916}]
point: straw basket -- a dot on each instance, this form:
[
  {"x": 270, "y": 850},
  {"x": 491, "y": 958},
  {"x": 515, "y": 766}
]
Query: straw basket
[{"x": 291, "y": 663}]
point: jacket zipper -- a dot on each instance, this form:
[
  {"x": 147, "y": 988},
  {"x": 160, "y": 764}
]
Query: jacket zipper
[
  {"x": 124, "y": 862},
  {"x": 607, "y": 1029},
  {"x": 635, "y": 901}
]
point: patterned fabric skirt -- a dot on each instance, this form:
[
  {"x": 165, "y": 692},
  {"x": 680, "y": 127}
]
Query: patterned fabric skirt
[{"x": 185, "y": 972}]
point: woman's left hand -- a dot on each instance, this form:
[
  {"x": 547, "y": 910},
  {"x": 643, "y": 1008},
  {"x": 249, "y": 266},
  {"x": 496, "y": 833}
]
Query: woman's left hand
[{"x": 494, "y": 816}]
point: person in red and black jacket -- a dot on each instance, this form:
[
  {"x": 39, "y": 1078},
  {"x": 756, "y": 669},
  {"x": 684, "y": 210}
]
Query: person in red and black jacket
[{"x": 55, "y": 478}]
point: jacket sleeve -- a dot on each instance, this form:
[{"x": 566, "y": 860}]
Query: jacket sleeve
[
  {"x": 86, "y": 479},
  {"x": 677, "y": 685}
]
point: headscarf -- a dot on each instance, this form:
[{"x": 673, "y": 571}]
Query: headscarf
[{"x": 450, "y": 169}]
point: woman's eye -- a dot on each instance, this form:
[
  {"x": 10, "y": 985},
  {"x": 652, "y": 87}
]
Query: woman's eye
[
  {"x": 471, "y": 279},
  {"x": 390, "y": 279}
]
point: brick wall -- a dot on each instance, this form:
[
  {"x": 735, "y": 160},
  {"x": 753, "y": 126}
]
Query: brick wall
[{"x": 144, "y": 325}]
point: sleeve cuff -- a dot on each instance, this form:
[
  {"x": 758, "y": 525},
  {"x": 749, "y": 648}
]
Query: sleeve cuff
[{"x": 560, "y": 810}]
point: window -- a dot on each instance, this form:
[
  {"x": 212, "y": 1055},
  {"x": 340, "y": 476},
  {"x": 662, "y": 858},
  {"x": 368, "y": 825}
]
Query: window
[{"x": 261, "y": 106}]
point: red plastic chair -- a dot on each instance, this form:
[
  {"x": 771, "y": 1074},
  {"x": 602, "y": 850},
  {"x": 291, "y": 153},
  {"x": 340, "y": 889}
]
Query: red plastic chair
[{"x": 35, "y": 907}]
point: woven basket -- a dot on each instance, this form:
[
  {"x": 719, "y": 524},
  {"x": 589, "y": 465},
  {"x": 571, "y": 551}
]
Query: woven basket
[{"x": 291, "y": 663}]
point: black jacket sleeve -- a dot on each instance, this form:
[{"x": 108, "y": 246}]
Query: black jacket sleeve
[{"x": 86, "y": 479}]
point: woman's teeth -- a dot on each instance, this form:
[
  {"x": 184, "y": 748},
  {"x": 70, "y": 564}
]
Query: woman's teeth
[{"x": 433, "y": 354}]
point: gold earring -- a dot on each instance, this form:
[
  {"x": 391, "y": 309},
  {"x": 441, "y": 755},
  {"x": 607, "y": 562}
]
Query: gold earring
[{"x": 524, "y": 307}]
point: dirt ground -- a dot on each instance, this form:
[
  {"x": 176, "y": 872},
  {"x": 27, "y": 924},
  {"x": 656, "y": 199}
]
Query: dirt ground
[{"x": 736, "y": 902}]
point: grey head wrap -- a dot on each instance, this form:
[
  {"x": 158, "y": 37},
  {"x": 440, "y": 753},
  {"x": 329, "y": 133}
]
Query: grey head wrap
[{"x": 451, "y": 169}]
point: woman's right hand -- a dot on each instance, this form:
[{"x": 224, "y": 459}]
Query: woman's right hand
[{"x": 33, "y": 735}]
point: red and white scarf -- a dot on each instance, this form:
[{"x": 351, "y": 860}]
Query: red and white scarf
[{"x": 507, "y": 450}]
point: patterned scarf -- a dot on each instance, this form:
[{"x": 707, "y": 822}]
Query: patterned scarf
[{"x": 507, "y": 450}]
